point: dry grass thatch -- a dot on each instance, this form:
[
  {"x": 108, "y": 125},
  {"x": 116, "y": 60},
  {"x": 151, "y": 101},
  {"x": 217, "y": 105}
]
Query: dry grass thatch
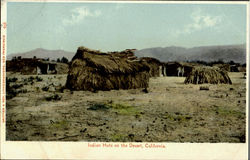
[
  {"x": 92, "y": 70},
  {"x": 200, "y": 75},
  {"x": 62, "y": 68},
  {"x": 153, "y": 64},
  {"x": 225, "y": 67}
]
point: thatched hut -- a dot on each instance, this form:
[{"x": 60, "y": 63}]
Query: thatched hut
[
  {"x": 92, "y": 70},
  {"x": 29, "y": 66},
  {"x": 177, "y": 68},
  {"x": 200, "y": 75},
  {"x": 171, "y": 68},
  {"x": 188, "y": 67},
  {"x": 153, "y": 64}
]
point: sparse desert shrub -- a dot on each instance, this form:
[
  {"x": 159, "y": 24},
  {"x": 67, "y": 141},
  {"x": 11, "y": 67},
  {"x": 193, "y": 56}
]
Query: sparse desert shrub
[
  {"x": 46, "y": 88},
  {"x": 60, "y": 89},
  {"x": 39, "y": 79},
  {"x": 16, "y": 86},
  {"x": 37, "y": 89},
  {"x": 14, "y": 79},
  {"x": 119, "y": 137},
  {"x": 98, "y": 107},
  {"x": 11, "y": 93},
  {"x": 54, "y": 97},
  {"x": 59, "y": 125},
  {"x": 30, "y": 79},
  {"x": 177, "y": 117},
  {"x": 204, "y": 88}
]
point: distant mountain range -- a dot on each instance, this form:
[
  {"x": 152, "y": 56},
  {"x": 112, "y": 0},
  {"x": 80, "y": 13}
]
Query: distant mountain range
[
  {"x": 43, "y": 53},
  {"x": 236, "y": 53}
]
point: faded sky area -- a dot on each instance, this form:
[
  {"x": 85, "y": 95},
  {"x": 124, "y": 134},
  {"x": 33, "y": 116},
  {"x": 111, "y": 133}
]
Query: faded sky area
[{"x": 118, "y": 26}]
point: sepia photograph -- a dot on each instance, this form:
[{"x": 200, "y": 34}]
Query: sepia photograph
[{"x": 141, "y": 74}]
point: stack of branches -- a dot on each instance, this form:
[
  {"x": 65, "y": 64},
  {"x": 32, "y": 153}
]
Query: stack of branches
[
  {"x": 93, "y": 70},
  {"x": 200, "y": 75}
]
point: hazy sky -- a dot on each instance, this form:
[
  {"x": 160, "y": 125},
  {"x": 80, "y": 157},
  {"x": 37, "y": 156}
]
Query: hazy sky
[{"x": 118, "y": 26}]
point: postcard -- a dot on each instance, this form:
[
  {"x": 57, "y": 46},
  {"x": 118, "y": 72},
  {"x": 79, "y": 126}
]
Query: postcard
[{"x": 124, "y": 79}]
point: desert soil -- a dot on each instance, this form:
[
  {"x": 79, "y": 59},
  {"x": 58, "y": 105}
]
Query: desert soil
[{"x": 171, "y": 111}]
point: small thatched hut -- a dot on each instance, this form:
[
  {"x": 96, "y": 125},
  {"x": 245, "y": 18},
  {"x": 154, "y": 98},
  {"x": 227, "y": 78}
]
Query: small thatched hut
[
  {"x": 29, "y": 66},
  {"x": 188, "y": 67},
  {"x": 92, "y": 70},
  {"x": 171, "y": 68},
  {"x": 153, "y": 64},
  {"x": 177, "y": 68},
  {"x": 200, "y": 75}
]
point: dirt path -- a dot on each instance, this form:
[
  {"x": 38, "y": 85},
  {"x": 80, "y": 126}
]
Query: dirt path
[{"x": 170, "y": 112}]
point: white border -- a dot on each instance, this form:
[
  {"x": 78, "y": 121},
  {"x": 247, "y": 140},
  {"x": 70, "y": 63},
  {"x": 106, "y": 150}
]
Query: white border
[
  {"x": 80, "y": 150},
  {"x": 3, "y": 75}
]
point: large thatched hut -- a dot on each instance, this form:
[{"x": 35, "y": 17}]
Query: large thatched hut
[
  {"x": 200, "y": 75},
  {"x": 93, "y": 70}
]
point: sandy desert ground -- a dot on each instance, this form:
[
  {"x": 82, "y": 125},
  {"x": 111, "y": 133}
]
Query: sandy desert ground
[{"x": 171, "y": 111}]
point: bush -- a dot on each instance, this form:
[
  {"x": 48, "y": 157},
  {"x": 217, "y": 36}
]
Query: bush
[
  {"x": 14, "y": 79},
  {"x": 16, "y": 86},
  {"x": 39, "y": 79},
  {"x": 54, "y": 97},
  {"x": 11, "y": 93},
  {"x": 98, "y": 107},
  {"x": 64, "y": 60},
  {"x": 30, "y": 79},
  {"x": 46, "y": 88},
  {"x": 204, "y": 88}
]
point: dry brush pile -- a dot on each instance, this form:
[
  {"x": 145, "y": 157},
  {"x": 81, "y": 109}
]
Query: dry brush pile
[{"x": 200, "y": 75}]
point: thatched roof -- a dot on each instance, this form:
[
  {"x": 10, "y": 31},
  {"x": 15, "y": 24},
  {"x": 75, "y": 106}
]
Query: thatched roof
[
  {"x": 108, "y": 63},
  {"x": 95, "y": 70},
  {"x": 200, "y": 75},
  {"x": 225, "y": 67},
  {"x": 151, "y": 60},
  {"x": 128, "y": 53},
  {"x": 153, "y": 64}
]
